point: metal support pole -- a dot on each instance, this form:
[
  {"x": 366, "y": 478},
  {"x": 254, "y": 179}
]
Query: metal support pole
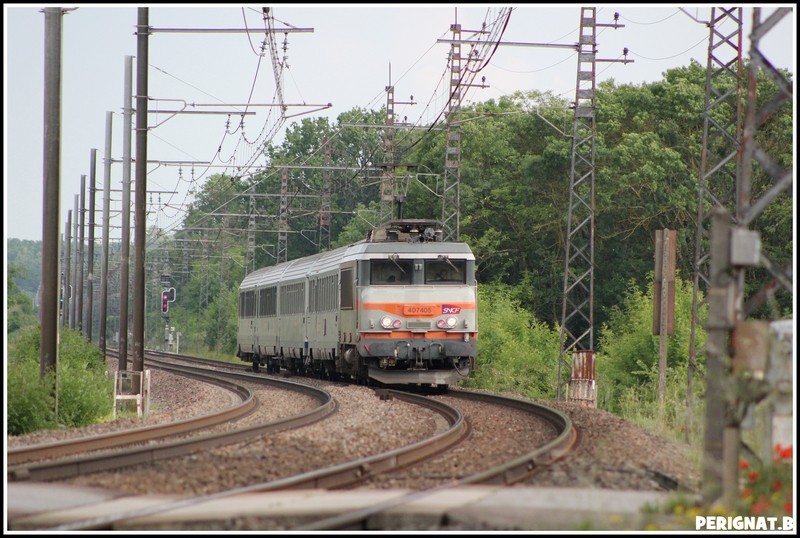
[
  {"x": 140, "y": 204},
  {"x": 90, "y": 249},
  {"x": 721, "y": 317},
  {"x": 79, "y": 259},
  {"x": 48, "y": 339},
  {"x": 67, "y": 281},
  {"x": 126, "y": 216},
  {"x": 73, "y": 303},
  {"x": 103, "y": 314}
]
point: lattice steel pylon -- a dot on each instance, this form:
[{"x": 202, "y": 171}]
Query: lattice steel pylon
[
  {"x": 283, "y": 219},
  {"x": 757, "y": 111},
  {"x": 185, "y": 250},
  {"x": 725, "y": 397},
  {"x": 277, "y": 65},
  {"x": 577, "y": 312},
  {"x": 386, "y": 205},
  {"x": 204, "y": 295},
  {"x": 324, "y": 241},
  {"x": 463, "y": 70},
  {"x": 451, "y": 190},
  {"x": 722, "y": 127},
  {"x": 250, "y": 261}
]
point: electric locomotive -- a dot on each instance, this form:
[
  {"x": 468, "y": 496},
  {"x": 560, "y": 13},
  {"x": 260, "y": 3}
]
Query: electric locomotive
[{"x": 398, "y": 308}]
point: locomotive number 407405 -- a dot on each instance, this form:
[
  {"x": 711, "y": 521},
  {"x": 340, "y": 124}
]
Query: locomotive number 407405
[{"x": 430, "y": 309}]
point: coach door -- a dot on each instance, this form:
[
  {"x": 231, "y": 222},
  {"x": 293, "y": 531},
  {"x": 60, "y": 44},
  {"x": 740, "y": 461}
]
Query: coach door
[
  {"x": 306, "y": 319},
  {"x": 347, "y": 304}
]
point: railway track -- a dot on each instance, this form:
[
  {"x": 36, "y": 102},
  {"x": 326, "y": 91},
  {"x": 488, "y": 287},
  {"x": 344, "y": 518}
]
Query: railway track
[
  {"x": 361, "y": 470},
  {"x": 505, "y": 473},
  {"x": 125, "y": 447}
]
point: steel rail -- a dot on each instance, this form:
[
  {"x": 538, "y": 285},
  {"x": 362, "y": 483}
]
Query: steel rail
[
  {"x": 57, "y": 449},
  {"x": 360, "y": 470},
  {"x": 329, "y": 477},
  {"x": 66, "y": 468},
  {"x": 506, "y": 473}
]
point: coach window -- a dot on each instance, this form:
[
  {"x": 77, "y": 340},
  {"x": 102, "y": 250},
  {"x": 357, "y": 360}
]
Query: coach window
[
  {"x": 445, "y": 271},
  {"x": 292, "y": 298},
  {"x": 247, "y": 304},
  {"x": 266, "y": 302},
  {"x": 390, "y": 272}
]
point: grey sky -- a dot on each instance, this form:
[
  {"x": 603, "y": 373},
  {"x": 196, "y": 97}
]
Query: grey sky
[{"x": 344, "y": 61}]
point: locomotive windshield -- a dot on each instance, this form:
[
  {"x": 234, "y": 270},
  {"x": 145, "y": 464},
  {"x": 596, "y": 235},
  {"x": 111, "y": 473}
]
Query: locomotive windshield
[
  {"x": 391, "y": 272},
  {"x": 445, "y": 271},
  {"x": 394, "y": 271}
]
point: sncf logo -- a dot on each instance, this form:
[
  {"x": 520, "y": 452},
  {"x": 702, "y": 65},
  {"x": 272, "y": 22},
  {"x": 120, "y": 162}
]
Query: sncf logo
[{"x": 450, "y": 309}]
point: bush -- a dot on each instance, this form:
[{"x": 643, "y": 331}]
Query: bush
[
  {"x": 84, "y": 393},
  {"x": 85, "y": 390},
  {"x": 515, "y": 351},
  {"x": 638, "y": 404},
  {"x": 30, "y": 402},
  {"x": 630, "y": 352}
]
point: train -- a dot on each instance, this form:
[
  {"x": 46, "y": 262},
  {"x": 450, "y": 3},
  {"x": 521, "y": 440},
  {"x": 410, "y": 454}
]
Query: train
[{"x": 397, "y": 308}]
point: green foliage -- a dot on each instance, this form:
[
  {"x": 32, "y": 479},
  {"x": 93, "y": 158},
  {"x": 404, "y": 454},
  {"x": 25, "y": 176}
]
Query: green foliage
[
  {"x": 84, "y": 393},
  {"x": 516, "y": 353},
  {"x": 85, "y": 390},
  {"x": 638, "y": 404},
  {"x": 220, "y": 323},
  {"x": 19, "y": 305},
  {"x": 26, "y": 256},
  {"x": 29, "y": 400},
  {"x": 358, "y": 228},
  {"x": 24, "y": 346},
  {"x": 627, "y": 366},
  {"x": 513, "y": 195}
]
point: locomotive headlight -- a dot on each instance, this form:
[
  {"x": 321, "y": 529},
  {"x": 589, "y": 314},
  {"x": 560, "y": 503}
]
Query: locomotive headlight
[
  {"x": 386, "y": 322},
  {"x": 447, "y": 323},
  {"x": 397, "y": 323}
]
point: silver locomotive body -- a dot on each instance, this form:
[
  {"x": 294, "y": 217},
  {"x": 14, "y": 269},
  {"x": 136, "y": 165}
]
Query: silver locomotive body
[{"x": 397, "y": 308}]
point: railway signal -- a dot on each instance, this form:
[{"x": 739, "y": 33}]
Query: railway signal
[{"x": 167, "y": 296}]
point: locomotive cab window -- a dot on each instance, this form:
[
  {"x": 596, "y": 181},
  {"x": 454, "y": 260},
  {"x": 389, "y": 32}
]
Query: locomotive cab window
[
  {"x": 445, "y": 271},
  {"x": 390, "y": 272}
]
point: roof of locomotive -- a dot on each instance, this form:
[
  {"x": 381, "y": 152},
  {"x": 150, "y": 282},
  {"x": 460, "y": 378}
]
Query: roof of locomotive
[
  {"x": 325, "y": 261},
  {"x": 428, "y": 249}
]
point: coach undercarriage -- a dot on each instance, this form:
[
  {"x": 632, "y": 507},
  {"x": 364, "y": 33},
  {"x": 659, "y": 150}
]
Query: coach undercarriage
[{"x": 349, "y": 365}]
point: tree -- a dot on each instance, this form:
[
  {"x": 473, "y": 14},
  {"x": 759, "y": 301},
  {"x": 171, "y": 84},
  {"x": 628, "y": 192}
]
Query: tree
[
  {"x": 629, "y": 350},
  {"x": 530, "y": 369},
  {"x": 20, "y": 310}
]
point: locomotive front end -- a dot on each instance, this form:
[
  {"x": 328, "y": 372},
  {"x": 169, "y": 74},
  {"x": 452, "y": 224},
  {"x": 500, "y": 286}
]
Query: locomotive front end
[{"x": 418, "y": 313}]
